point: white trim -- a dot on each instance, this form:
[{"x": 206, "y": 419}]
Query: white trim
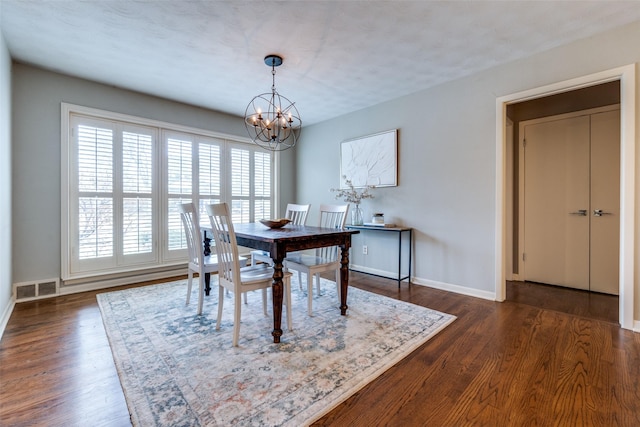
[
  {"x": 276, "y": 185},
  {"x": 500, "y": 223},
  {"x": 67, "y": 109},
  {"x": 509, "y": 168},
  {"x": 463, "y": 290},
  {"x": 65, "y": 174},
  {"x": 120, "y": 281},
  {"x": 627, "y": 194},
  {"x": 4, "y": 320},
  {"x": 627, "y": 76}
]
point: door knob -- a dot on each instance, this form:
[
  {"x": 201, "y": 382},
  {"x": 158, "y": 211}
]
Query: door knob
[
  {"x": 600, "y": 212},
  {"x": 581, "y": 212}
]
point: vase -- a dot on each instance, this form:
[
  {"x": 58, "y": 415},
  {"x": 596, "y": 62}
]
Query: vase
[{"x": 356, "y": 216}]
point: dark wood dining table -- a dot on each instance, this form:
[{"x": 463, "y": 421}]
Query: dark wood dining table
[{"x": 279, "y": 241}]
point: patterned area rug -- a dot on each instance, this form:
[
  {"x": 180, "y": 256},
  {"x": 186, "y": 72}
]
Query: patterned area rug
[{"x": 177, "y": 370}]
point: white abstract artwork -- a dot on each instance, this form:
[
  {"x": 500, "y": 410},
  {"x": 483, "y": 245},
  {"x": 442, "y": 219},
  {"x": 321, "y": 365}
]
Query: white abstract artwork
[{"x": 370, "y": 160}]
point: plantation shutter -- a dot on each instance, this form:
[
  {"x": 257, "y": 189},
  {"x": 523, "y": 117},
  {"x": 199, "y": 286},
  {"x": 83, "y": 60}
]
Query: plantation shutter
[
  {"x": 111, "y": 195},
  {"x": 137, "y": 182},
  {"x": 262, "y": 185},
  {"x": 95, "y": 191},
  {"x": 240, "y": 185},
  {"x": 209, "y": 174},
  {"x": 251, "y": 183},
  {"x": 180, "y": 176}
]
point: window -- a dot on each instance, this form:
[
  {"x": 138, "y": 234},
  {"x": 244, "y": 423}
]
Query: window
[{"x": 125, "y": 177}]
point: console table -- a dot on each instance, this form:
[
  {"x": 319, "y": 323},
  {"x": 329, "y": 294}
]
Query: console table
[{"x": 400, "y": 231}]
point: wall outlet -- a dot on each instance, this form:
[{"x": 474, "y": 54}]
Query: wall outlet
[{"x": 365, "y": 249}]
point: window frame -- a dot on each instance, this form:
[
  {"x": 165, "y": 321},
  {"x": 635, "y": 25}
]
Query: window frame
[{"x": 162, "y": 257}]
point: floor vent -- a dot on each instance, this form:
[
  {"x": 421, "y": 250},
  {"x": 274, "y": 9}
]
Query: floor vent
[{"x": 28, "y": 291}]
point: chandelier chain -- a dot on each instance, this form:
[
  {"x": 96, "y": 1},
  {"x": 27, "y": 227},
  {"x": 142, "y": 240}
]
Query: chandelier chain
[{"x": 273, "y": 77}]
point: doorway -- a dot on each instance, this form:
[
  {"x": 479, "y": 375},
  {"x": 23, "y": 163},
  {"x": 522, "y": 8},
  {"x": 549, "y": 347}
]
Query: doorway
[
  {"x": 576, "y": 302},
  {"x": 504, "y": 255},
  {"x": 569, "y": 197}
]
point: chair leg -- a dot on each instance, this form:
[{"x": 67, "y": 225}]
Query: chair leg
[
  {"x": 220, "y": 303},
  {"x": 189, "y": 283},
  {"x": 236, "y": 317},
  {"x": 264, "y": 301},
  {"x": 309, "y": 294},
  {"x": 287, "y": 298},
  {"x": 200, "y": 293},
  {"x": 300, "y": 279},
  {"x": 245, "y": 297},
  {"x": 317, "y": 275},
  {"x": 338, "y": 285}
]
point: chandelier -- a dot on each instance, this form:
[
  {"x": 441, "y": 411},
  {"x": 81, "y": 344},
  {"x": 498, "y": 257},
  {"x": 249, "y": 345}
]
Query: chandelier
[{"x": 273, "y": 122}]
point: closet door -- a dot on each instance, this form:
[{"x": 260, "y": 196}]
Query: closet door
[
  {"x": 556, "y": 207},
  {"x": 572, "y": 201}
]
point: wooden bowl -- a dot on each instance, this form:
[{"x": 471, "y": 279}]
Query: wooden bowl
[{"x": 275, "y": 223}]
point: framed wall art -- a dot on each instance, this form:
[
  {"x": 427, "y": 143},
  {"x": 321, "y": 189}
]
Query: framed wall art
[{"x": 370, "y": 160}]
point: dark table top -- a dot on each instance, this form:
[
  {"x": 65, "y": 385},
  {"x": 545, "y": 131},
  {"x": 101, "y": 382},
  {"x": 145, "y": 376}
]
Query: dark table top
[{"x": 291, "y": 237}]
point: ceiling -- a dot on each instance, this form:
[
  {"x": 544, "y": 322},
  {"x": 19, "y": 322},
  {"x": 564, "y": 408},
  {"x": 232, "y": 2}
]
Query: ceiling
[{"x": 339, "y": 56}]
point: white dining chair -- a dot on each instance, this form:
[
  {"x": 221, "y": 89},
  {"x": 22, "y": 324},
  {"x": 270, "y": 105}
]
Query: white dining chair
[
  {"x": 298, "y": 216},
  {"x": 198, "y": 262},
  {"x": 234, "y": 278},
  {"x": 325, "y": 259}
]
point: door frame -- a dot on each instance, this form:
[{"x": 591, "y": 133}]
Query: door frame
[{"x": 627, "y": 77}]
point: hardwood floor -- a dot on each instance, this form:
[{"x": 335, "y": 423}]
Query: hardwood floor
[
  {"x": 498, "y": 364},
  {"x": 571, "y": 301}
]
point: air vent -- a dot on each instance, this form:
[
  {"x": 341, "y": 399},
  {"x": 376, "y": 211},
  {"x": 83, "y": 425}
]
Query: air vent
[{"x": 28, "y": 291}]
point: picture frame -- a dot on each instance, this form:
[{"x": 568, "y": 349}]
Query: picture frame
[{"x": 370, "y": 160}]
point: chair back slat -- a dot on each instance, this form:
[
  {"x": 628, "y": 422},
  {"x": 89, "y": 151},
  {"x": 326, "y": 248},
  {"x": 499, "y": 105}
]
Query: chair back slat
[
  {"x": 297, "y": 213},
  {"x": 332, "y": 216},
  {"x": 191, "y": 225},
  {"x": 226, "y": 246}
]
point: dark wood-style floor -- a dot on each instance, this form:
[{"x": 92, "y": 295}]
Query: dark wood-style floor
[{"x": 498, "y": 364}]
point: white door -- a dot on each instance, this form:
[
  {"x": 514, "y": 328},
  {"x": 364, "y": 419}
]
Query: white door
[
  {"x": 571, "y": 201},
  {"x": 556, "y": 215}
]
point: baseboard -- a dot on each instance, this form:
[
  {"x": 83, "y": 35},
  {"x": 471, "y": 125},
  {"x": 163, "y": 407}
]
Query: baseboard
[
  {"x": 4, "y": 320},
  {"x": 455, "y": 288},
  {"x": 430, "y": 283},
  {"x": 368, "y": 270},
  {"x": 636, "y": 326},
  {"x": 120, "y": 281}
]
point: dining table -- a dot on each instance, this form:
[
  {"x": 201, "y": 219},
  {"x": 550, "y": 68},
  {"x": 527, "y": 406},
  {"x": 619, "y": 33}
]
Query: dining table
[{"x": 279, "y": 241}]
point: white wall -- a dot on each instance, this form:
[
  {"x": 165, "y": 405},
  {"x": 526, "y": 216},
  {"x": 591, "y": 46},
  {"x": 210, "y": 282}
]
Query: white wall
[
  {"x": 37, "y": 95},
  {"x": 5, "y": 184},
  {"x": 447, "y": 144}
]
